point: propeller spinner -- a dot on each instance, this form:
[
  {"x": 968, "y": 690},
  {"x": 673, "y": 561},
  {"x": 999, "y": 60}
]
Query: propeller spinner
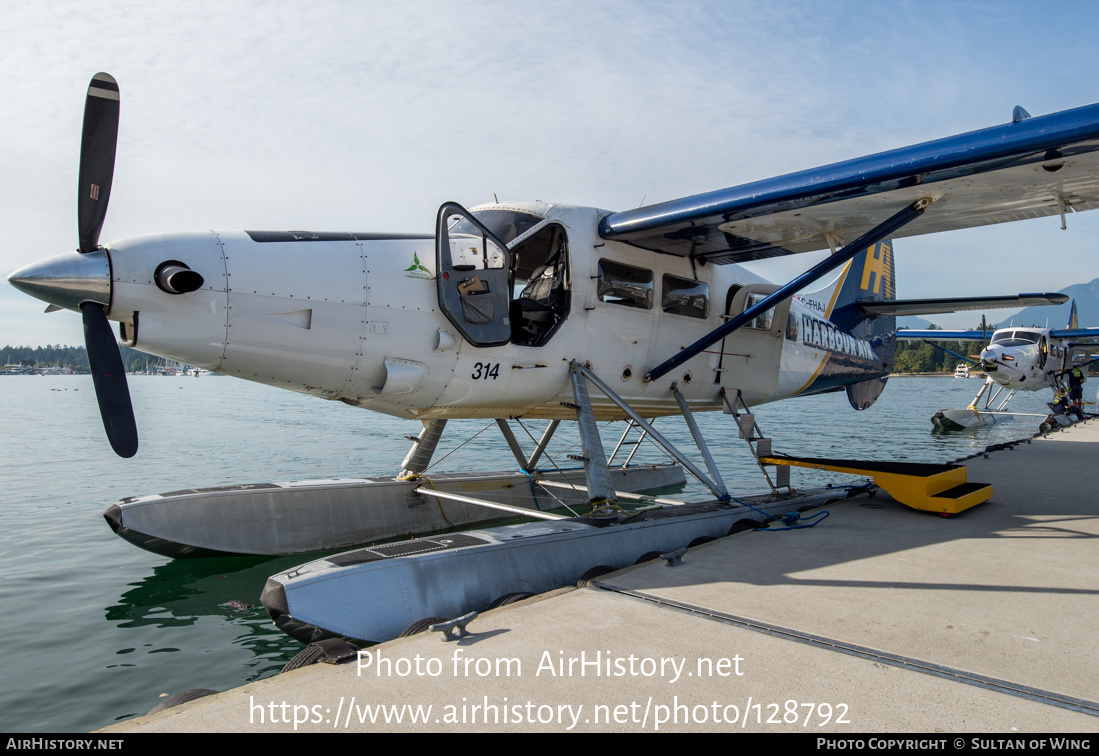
[{"x": 82, "y": 281}]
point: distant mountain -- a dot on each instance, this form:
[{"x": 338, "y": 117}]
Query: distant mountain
[
  {"x": 911, "y": 321},
  {"x": 1087, "y": 308}
]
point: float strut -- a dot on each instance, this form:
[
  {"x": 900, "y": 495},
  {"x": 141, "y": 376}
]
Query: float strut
[
  {"x": 423, "y": 447},
  {"x": 522, "y": 511},
  {"x": 513, "y": 443},
  {"x": 533, "y": 461},
  {"x": 596, "y": 474},
  {"x": 668, "y": 446},
  {"x": 690, "y": 418}
]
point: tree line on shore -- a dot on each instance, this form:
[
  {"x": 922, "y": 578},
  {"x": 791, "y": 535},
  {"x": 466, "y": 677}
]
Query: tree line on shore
[
  {"x": 74, "y": 358},
  {"x": 922, "y": 357}
]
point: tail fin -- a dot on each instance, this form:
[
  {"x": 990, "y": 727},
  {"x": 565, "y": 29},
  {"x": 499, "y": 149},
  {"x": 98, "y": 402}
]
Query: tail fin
[
  {"x": 868, "y": 278},
  {"x": 1073, "y": 321}
]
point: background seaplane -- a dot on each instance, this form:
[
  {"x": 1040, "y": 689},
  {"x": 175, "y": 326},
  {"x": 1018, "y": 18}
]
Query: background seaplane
[
  {"x": 511, "y": 310},
  {"x": 1016, "y": 358}
]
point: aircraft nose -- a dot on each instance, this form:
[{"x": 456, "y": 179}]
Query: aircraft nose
[{"x": 67, "y": 280}]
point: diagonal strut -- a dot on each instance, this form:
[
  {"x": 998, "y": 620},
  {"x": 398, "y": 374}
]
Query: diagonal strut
[{"x": 871, "y": 237}]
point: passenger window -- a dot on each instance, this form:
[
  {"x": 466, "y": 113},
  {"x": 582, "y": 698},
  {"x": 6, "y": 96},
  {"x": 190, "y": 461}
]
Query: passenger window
[
  {"x": 791, "y": 327},
  {"x": 764, "y": 321},
  {"x": 625, "y": 285},
  {"x": 682, "y": 296}
]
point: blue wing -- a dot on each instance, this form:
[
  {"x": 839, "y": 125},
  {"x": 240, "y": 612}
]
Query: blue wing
[
  {"x": 912, "y": 333},
  {"x": 1075, "y": 333},
  {"x": 936, "y": 335},
  {"x": 1029, "y": 168}
]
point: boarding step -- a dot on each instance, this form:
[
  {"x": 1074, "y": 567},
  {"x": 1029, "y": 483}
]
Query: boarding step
[
  {"x": 964, "y": 496},
  {"x": 930, "y": 487}
]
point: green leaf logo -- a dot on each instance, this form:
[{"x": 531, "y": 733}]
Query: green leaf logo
[{"x": 416, "y": 265}]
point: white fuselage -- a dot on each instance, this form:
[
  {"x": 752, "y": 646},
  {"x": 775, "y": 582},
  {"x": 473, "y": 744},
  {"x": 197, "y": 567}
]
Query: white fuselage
[{"x": 359, "y": 321}]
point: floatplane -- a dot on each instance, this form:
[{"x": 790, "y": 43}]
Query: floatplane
[
  {"x": 1017, "y": 359},
  {"x": 516, "y": 311}
]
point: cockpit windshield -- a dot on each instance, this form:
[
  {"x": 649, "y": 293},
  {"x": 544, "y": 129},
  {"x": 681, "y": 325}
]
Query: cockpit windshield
[
  {"x": 1016, "y": 338},
  {"x": 507, "y": 224}
]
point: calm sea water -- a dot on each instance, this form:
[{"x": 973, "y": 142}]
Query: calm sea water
[{"x": 94, "y": 630}]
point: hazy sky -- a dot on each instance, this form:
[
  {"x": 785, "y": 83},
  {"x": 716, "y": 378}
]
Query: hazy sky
[{"x": 368, "y": 115}]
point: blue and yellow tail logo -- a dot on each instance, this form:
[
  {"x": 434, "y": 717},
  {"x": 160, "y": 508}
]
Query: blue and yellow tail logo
[
  {"x": 870, "y": 277},
  {"x": 877, "y": 271}
]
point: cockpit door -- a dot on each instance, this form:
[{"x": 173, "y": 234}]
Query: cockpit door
[{"x": 473, "y": 275}]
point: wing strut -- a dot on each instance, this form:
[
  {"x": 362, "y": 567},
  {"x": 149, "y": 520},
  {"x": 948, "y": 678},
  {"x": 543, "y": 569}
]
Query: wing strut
[{"x": 871, "y": 237}]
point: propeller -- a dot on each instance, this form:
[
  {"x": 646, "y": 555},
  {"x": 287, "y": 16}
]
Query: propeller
[
  {"x": 97, "y": 151},
  {"x": 109, "y": 378},
  {"x": 97, "y": 154}
]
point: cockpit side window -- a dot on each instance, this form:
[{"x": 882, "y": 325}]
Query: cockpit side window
[
  {"x": 471, "y": 248},
  {"x": 473, "y": 277}
]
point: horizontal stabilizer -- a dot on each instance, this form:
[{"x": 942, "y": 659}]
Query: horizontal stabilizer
[
  {"x": 936, "y": 306},
  {"x": 1030, "y": 168}
]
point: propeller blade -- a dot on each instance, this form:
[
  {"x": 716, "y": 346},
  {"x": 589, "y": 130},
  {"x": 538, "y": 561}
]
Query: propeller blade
[
  {"x": 97, "y": 151},
  {"x": 109, "y": 377}
]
